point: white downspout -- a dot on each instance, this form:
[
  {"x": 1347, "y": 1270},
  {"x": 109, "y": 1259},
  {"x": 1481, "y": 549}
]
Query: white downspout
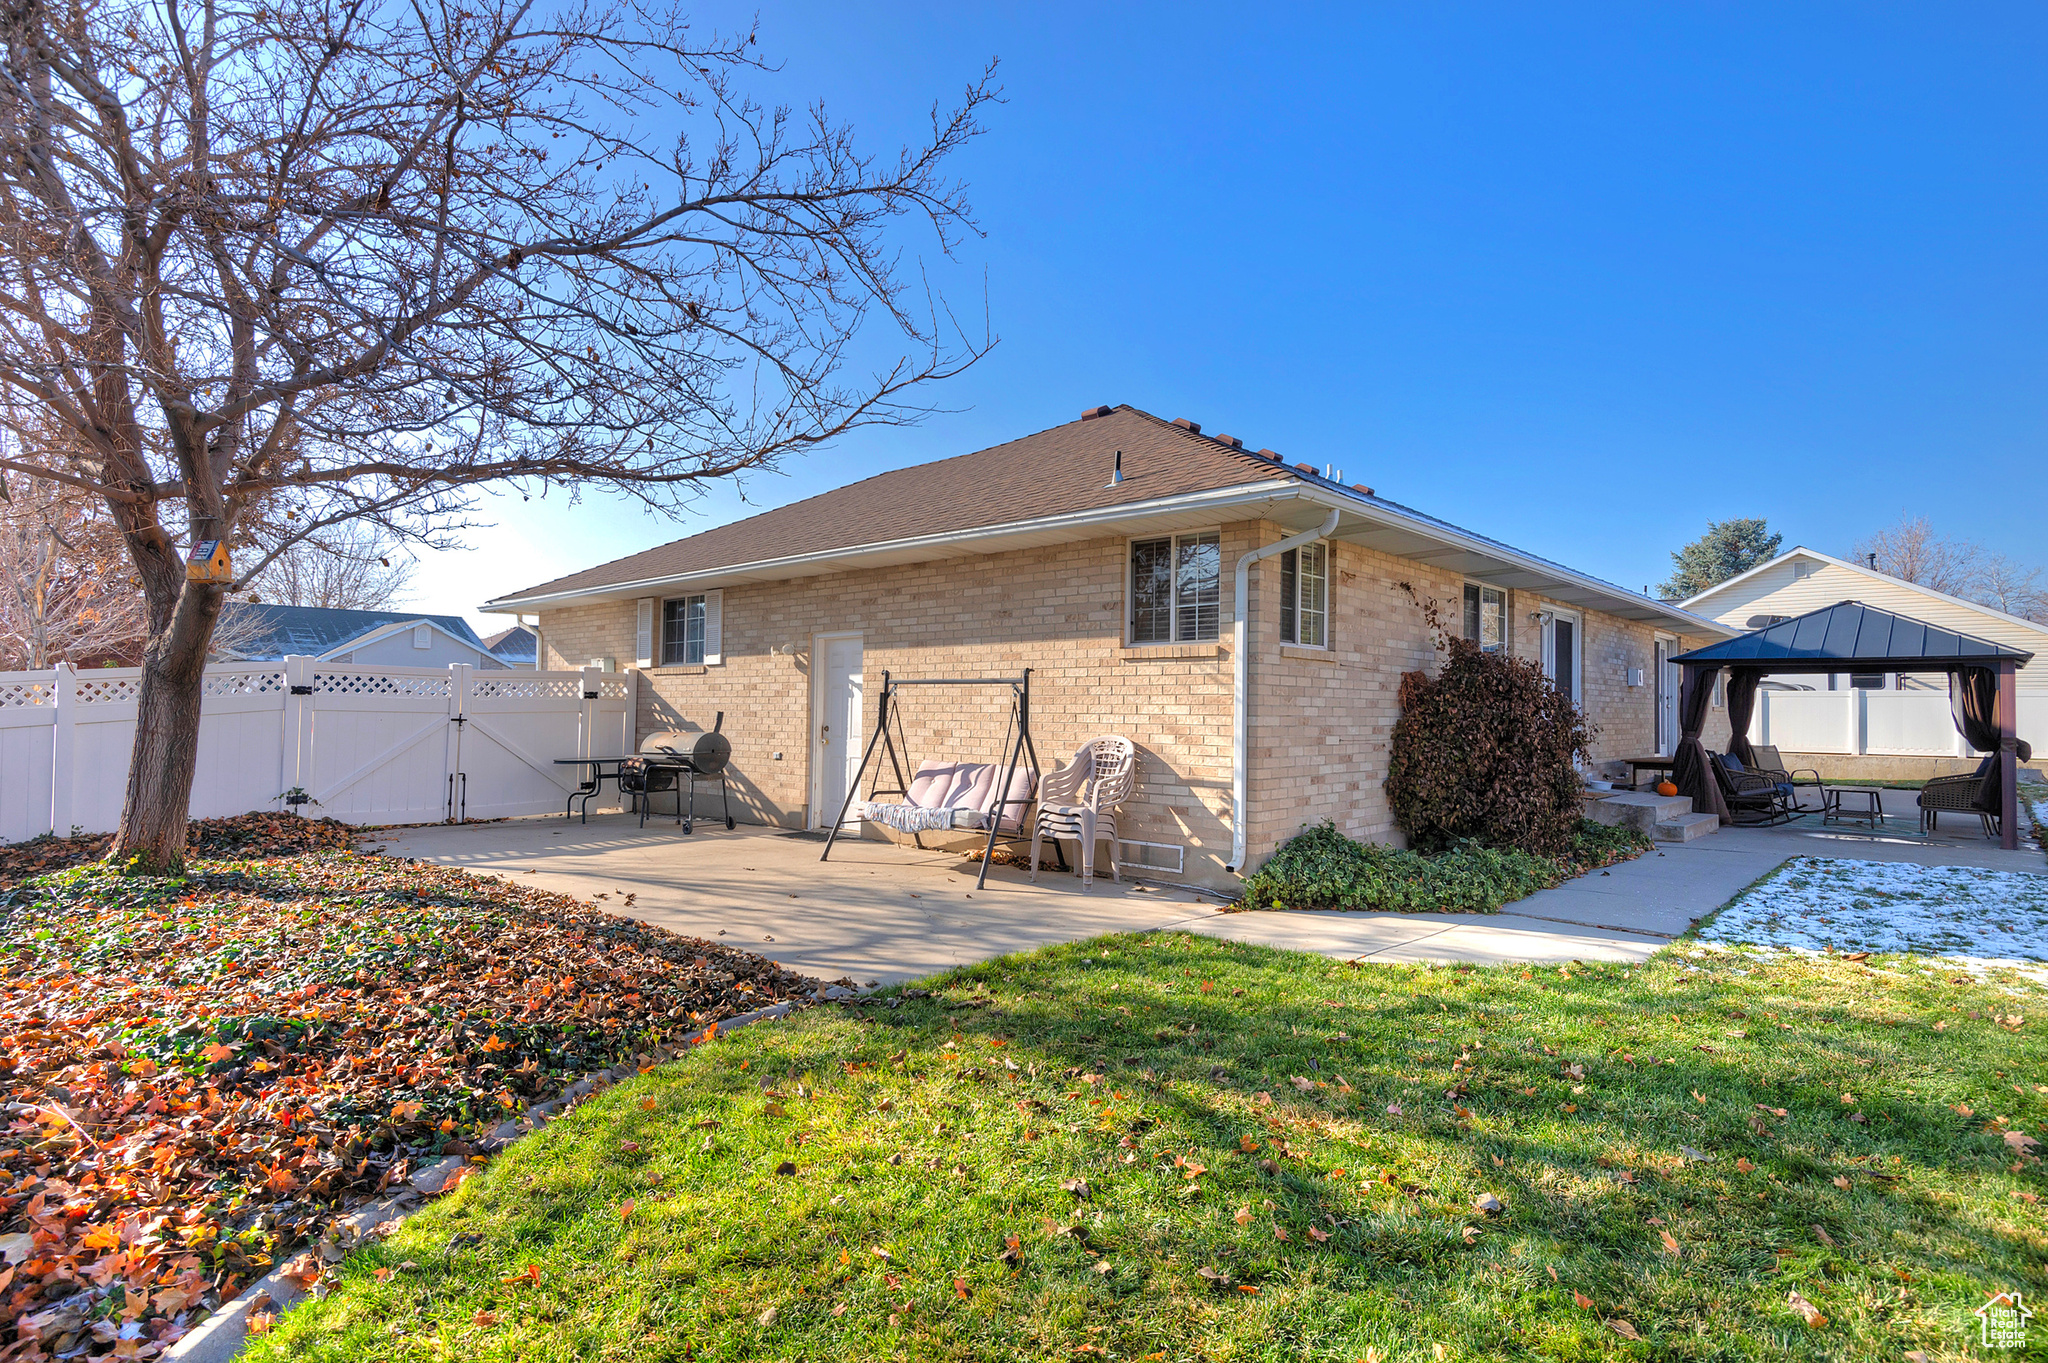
[{"x": 1240, "y": 666}]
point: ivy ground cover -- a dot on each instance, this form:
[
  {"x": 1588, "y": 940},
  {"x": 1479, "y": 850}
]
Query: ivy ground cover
[
  {"x": 201, "y": 1073},
  {"x": 1168, "y": 1147}
]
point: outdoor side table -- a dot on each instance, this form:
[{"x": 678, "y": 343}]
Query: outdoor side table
[
  {"x": 1870, "y": 809},
  {"x": 601, "y": 769}
]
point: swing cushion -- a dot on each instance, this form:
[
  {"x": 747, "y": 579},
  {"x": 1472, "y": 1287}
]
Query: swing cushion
[{"x": 947, "y": 795}]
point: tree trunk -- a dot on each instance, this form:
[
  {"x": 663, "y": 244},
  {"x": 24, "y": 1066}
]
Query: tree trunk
[{"x": 151, "y": 840}]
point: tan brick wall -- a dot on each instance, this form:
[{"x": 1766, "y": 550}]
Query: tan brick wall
[
  {"x": 1320, "y": 721},
  {"x": 1058, "y": 611}
]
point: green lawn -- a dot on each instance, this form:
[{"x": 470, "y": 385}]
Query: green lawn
[{"x": 1166, "y": 1147}]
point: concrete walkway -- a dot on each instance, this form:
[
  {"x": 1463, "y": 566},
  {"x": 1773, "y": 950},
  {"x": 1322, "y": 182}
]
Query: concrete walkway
[{"x": 881, "y": 914}]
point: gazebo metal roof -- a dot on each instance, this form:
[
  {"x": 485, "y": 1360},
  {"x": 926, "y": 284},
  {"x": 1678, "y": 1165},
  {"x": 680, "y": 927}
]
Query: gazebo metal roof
[{"x": 1850, "y": 636}]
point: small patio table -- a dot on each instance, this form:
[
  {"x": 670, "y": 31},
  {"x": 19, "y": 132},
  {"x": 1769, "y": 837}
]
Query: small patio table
[
  {"x": 1638, "y": 765},
  {"x": 1871, "y": 812},
  {"x": 601, "y": 770}
]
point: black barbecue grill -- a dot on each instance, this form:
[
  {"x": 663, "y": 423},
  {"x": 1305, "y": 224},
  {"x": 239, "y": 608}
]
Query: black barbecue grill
[{"x": 675, "y": 762}]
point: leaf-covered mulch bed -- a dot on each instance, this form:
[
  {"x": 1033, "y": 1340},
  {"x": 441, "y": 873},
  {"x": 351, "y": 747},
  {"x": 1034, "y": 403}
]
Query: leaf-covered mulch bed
[
  {"x": 246, "y": 835},
  {"x": 201, "y": 1073}
]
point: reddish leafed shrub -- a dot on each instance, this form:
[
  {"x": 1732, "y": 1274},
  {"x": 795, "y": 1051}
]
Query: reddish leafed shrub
[{"x": 1486, "y": 750}]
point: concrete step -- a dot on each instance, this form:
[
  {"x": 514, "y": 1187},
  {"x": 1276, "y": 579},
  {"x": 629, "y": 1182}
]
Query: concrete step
[
  {"x": 1639, "y": 809},
  {"x": 1687, "y": 827}
]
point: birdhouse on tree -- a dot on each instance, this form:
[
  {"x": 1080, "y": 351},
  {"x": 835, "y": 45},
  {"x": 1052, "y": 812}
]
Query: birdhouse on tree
[{"x": 208, "y": 562}]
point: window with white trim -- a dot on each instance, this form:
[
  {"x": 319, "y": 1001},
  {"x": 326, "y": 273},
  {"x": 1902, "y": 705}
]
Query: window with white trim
[
  {"x": 1486, "y": 617},
  {"x": 682, "y": 631},
  {"x": 1177, "y": 589},
  {"x": 1305, "y": 596}
]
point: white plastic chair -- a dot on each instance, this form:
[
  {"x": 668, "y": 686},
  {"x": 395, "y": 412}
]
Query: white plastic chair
[{"x": 1080, "y": 801}]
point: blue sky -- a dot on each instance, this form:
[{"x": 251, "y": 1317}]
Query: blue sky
[{"x": 1578, "y": 277}]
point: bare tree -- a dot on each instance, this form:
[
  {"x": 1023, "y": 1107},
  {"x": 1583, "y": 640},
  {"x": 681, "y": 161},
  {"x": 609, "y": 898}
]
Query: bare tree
[
  {"x": 320, "y": 260},
  {"x": 67, "y": 590},
  {"x": 346, "y": 567},
  {"x": 1912, "y": 552},
  {"x": 2013, "y": 587}
]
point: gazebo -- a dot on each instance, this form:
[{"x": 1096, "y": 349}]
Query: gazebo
[{"x": 1852, "y": 637}]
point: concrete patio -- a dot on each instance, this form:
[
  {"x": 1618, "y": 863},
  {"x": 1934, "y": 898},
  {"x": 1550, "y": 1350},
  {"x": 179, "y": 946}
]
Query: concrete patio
[{"x": 877, "y": 913}]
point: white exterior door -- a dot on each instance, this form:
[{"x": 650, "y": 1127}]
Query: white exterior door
[{"x": 835, "y": 732}]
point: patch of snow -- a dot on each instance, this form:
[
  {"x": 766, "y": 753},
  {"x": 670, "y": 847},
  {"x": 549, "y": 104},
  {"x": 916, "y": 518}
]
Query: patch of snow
[{"x": 1815, "y": 904}]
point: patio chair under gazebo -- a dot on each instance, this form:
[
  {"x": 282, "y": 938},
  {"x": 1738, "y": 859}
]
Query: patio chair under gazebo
[{"x": 1852, "y": 637}]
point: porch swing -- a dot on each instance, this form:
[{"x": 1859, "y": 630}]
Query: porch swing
[{"x": 947, "y": 795}]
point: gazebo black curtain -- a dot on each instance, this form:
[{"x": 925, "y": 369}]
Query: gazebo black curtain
[
  {"x": 1690, "y": 770},
  {"x": 1973, "y": 700},
  {"x": 1742, "y": 684}
]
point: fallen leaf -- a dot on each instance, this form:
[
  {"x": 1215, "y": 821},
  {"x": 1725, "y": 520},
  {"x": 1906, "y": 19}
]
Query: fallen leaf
[
  {"x": 1487, "y": 1204},
  {"x": 786, "y": 1168},
  {"x": 1743, "y": 1166},
  {"x": 1808, "y": 1312},
  {"x": 1079, "y": 1186},
  {"x": 1585, "y": 1302},
  {"x": 626, "y": 1208},
  {"x": 1321, "y": 1237},
  {"x": 960, "y": 1288},
  {"x": 1820, "y": 1233},
  {"x": 1670, "y": 1242},
  {"x": 1624, "y": 1329},
  {"x": 486, "y": 1319},
  {"x": 767, "y": 1318},
  {"x": 2021, "y": 1141}
]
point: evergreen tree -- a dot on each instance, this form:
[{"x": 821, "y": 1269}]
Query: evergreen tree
[{"x": 1728, "y": 549}]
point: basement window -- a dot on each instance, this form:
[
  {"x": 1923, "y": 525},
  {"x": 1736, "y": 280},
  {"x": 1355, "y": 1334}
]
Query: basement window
[{"x": 1177, "y": 589}]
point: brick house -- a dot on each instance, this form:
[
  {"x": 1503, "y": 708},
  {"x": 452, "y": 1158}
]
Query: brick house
[{"x": 1103, "y": 554}]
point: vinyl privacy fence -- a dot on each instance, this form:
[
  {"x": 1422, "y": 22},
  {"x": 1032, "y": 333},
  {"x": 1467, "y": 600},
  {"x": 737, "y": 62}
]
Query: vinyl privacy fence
[
  {"x": 1878, "y": 723},
  {"x": 363, "y": 743}
]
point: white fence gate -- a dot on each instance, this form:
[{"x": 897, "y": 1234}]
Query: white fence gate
[
  {"x": 366, "y": 744},
  {"x": 1877, "y": 723}
]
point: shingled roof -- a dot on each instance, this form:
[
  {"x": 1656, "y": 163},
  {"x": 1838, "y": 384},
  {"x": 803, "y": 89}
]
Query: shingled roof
[
  {"x": 269, "y": 631},
  {"x": 1059, "y": 485},
  {"x": 1065, "y": 469},
  {"x": 1851, "y": 634}
]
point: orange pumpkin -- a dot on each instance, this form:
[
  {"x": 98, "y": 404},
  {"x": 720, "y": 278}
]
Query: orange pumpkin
[{"x": 1666, "y": 788}]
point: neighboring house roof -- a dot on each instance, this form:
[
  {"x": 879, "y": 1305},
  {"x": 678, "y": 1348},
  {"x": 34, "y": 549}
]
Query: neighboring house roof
[
  {"x": 1744, "y": 586},
  {"x": 1851, "y": 634},
  {"x": 258, "y": 630},
  {"x": 514, "y": 645},
  {"x": 1058, "y": 486}
]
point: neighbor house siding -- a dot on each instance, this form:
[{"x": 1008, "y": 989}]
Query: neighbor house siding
[{"x": 1777, "y": 591}]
